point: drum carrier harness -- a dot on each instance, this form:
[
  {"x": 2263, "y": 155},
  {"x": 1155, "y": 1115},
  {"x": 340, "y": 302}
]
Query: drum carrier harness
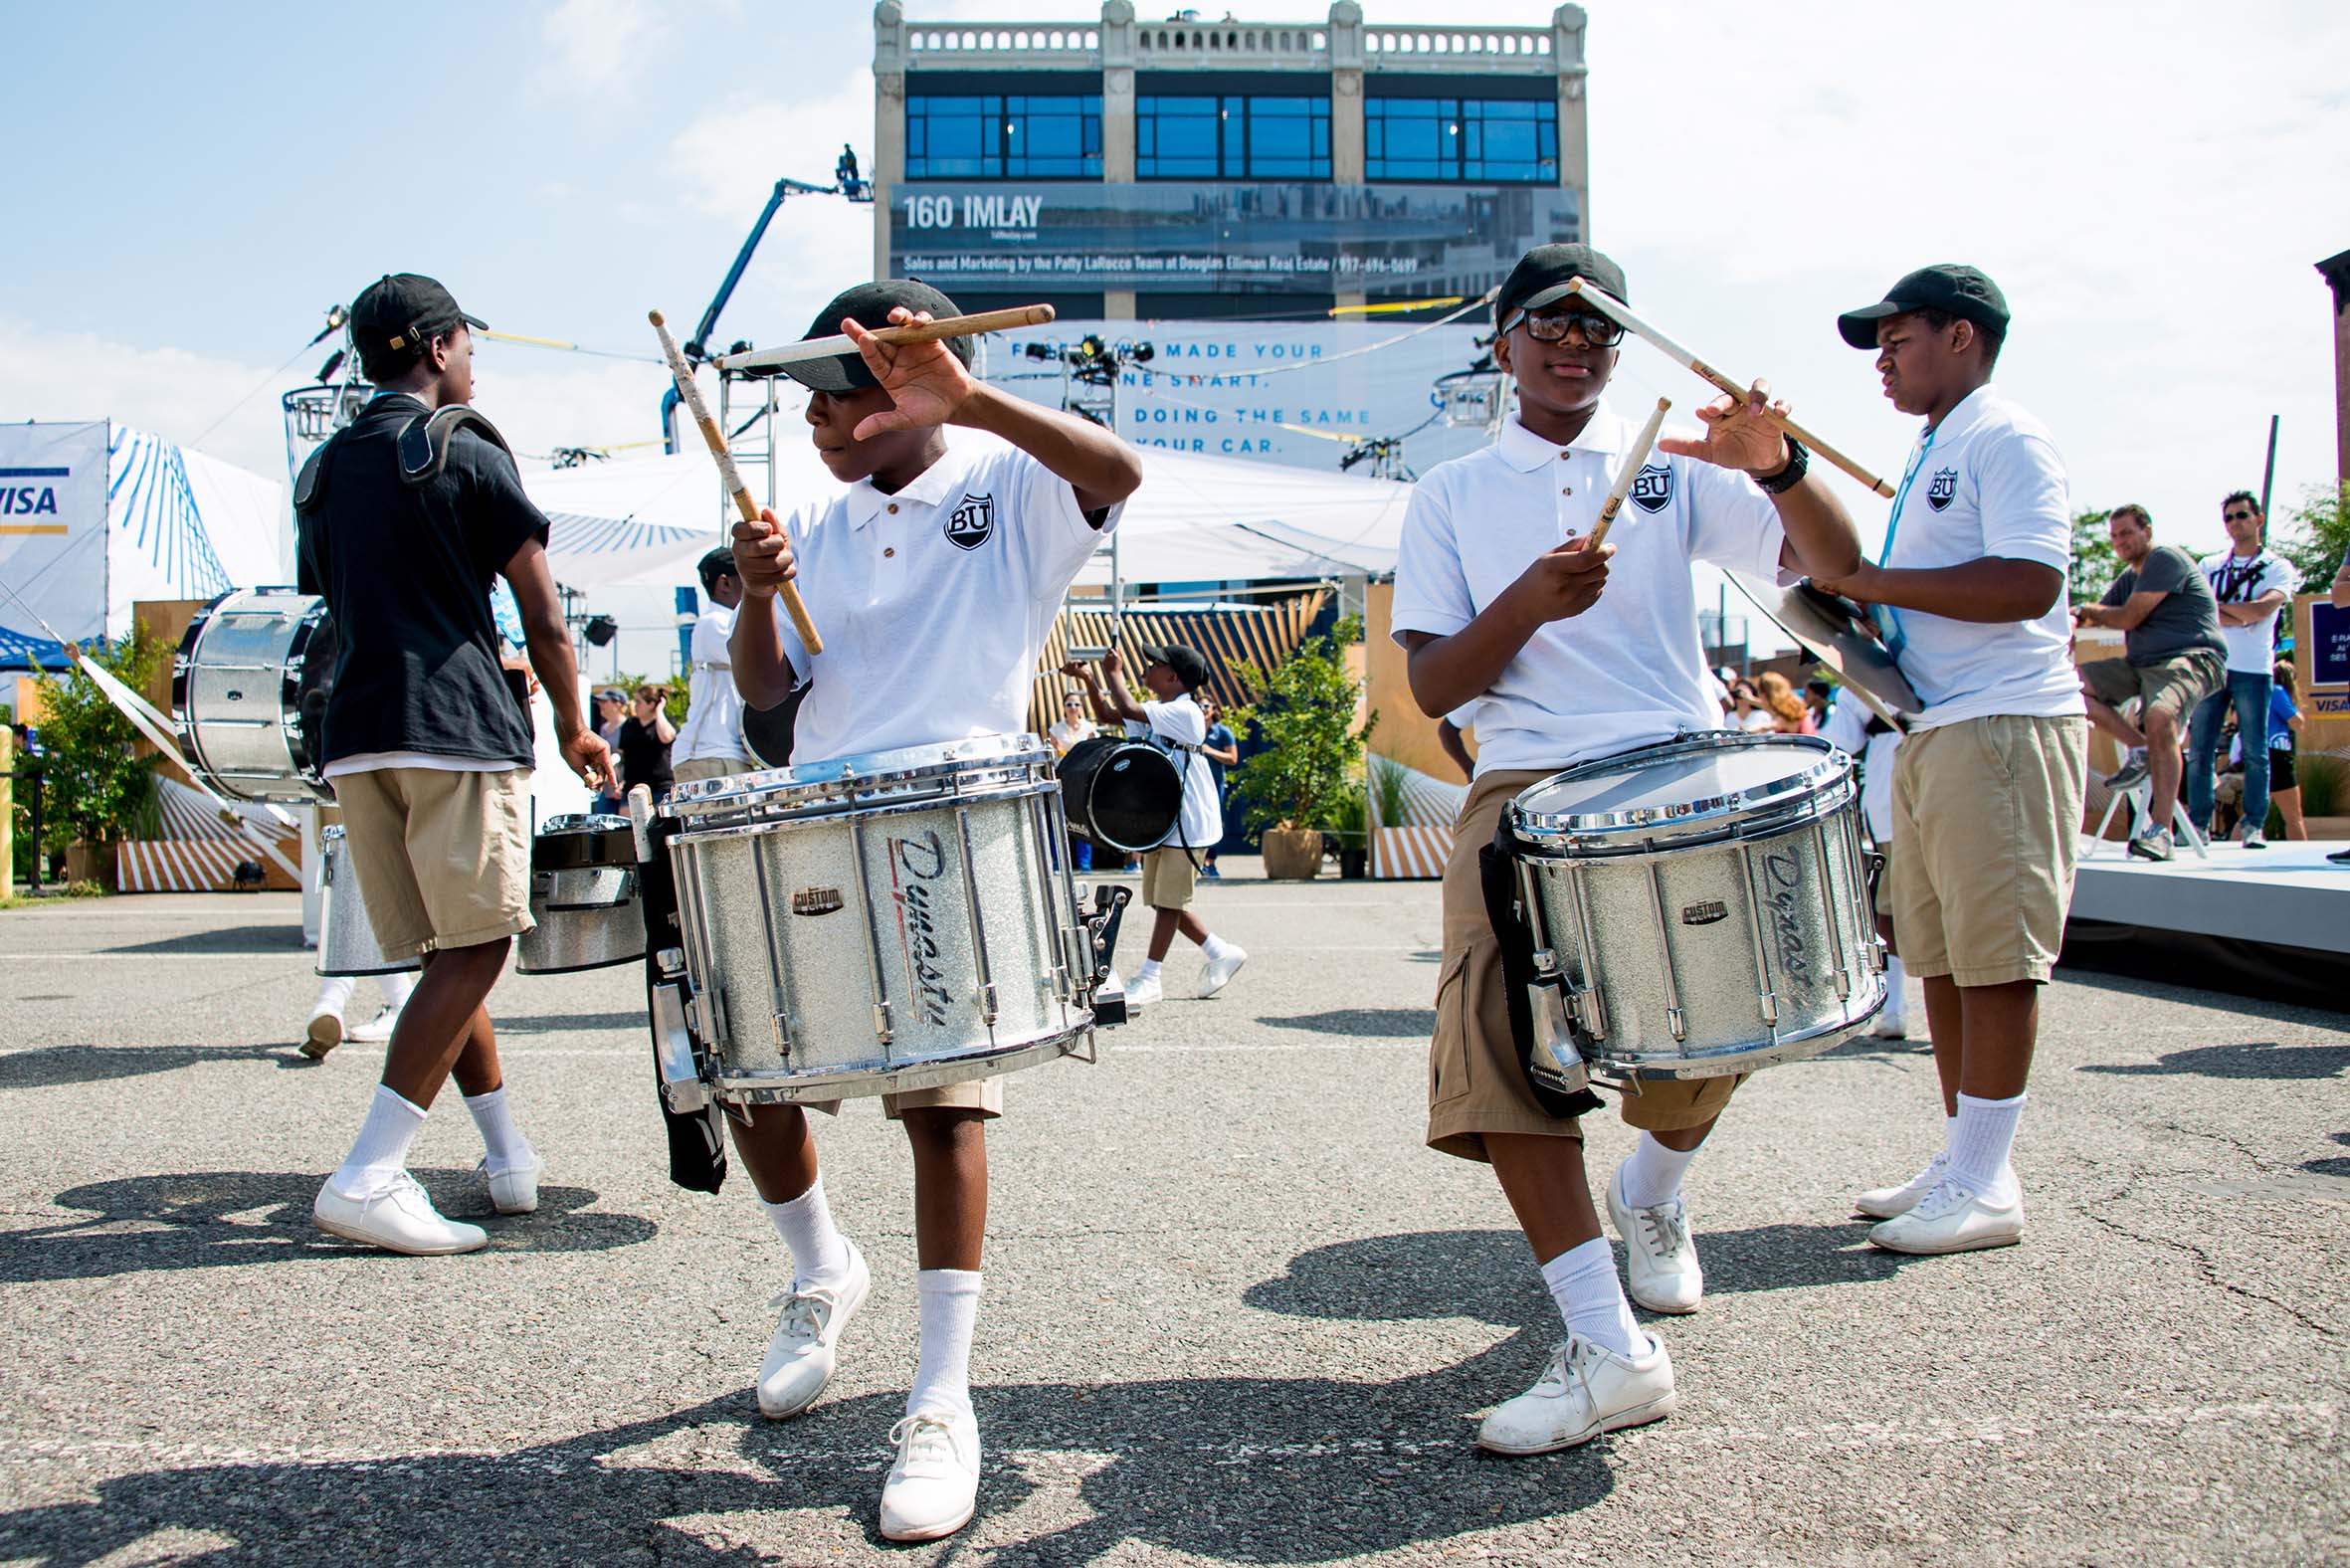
[{"x": 422, "y": 446}]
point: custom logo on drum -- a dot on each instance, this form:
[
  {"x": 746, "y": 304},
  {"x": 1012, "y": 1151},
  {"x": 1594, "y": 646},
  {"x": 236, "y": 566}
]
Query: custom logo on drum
[
  {"x": 1652, "y": 487},
  {"x": 917, "y": 867},
  {"x": 1705, "y": 913},
  {"x": 1783, "y": 875},
  {"x": 817, "y": 900},
  {"x": 1943, "y": 491},
  {"x": 972, "y": 522}
]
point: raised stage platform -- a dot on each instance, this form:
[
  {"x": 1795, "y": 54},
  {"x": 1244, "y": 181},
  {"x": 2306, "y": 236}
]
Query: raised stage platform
[{"x": 2273, "y": 922}]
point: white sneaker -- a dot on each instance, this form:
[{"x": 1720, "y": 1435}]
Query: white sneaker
[
  {"x": 514, "y": 1190},
  {"x": 1586, "y": 1390},
  {"x": 2254, "y": 838},
  {"x": 1220, "y": 971},
  {"x": 323, "y": 1034},
  {"x": 1890, "y": 1203},
  {"x": 1143, "y": 993},
  {"x": 1892, "y": 1024},
  {"x": 376, "y": 1030},
  {"x": 1660, "y": 1270},
  {"x": 800, "y": 1356},
  {"x": 2153, "y": 845},
  {"x": 934, "y": 1485},
  {"x": 1952, "y": 1219},
  {"x": 400, "y": 1219}
]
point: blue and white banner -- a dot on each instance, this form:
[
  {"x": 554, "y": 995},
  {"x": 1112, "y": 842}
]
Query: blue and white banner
[{"x": 52, "y": 538}]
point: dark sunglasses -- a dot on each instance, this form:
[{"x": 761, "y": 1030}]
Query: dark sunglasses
[{"x": 1599, "y": 331}]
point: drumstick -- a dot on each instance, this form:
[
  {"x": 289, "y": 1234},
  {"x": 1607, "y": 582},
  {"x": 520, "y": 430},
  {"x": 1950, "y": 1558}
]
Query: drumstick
[
  {"x": 1616, "y": 309},
  {"x": 726, "y": 471},
  {"x": 913, "y": 333},
  {"x": 1632, "y": 462}
]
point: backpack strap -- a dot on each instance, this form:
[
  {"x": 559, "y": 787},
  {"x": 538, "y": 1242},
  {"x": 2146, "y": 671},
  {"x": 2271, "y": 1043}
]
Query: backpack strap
[
  {"x": 309, "y": 486},
  {"x": 423, "y": 442}
]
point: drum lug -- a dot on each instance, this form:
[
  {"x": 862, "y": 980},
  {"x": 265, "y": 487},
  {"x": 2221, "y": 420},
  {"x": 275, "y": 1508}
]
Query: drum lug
[
  {"x": 1572, "y": 998},
  {"x": 881, "y": 1022},
  {"x": 987, "y": 1001},
  {"x": 1554, "y": 1038}
]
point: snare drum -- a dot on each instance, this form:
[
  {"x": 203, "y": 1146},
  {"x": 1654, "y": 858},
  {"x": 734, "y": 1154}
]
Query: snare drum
[
  {"x": 346, "y": 938},
  {"x": 879, "y": 923},
  {"x": 1698, "y": 908},
  {"x": 1121, "y": 793},
  {"x": 249, "y": 686},
  {"x": 584, "y": 897}
]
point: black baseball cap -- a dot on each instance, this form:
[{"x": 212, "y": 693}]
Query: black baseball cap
[
  {"x": 1188, "y": 663},
  {"x": 401, "y": 312},
  {"x": 1947, "y": 286},
  {"x": 1541, "y": 277},
  {"x": 869, "y": 306}
]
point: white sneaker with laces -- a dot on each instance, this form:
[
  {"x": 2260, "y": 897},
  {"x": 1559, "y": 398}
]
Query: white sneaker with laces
[
  {"x": 1892, "y": 1024},
  {"x": 1144, "y": 992},
  {"x": 376, "y": 1030},
  {"x": 400, "y": 1219},
  {"x": 2153, "y": 845},
  {"x": 1889, "y": 1203},
  {"x": 1952, "y": 1219},
  {"x": 800, "y": 1356},
  {"x": 1660, "y": 1268},
  {"x": 934, "y": 1485},
  {"x": 2254, "y": 838},
  {"x": 1586, "y": 1390},
  {"x": 323, "y": 1034},
  {"x": 1220, "y": 971},
  {"x": 514, "y": 1190}
]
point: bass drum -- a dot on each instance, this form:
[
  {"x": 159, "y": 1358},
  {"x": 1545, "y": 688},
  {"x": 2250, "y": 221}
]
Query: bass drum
[
  {"x": 249, "y": 686},
  {"x": 1121, "y": 793}
]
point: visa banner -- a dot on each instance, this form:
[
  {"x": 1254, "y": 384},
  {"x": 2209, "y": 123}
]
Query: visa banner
[{"x": 52, "y": 538}]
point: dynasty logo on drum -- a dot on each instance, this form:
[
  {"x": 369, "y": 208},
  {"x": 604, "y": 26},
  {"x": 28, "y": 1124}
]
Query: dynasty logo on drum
[
  {"x": 1652, "y": 487},
  {"x": 1943, "y": 491},
  {"x": 917, "y": 867},
  {"x": 1784, "y": 875},
  {"x": 972, "y": 522}
]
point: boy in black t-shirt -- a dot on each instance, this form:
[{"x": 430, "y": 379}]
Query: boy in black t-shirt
[{"x": 405, "y": 518}]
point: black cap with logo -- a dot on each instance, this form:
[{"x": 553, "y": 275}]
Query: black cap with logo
[
  {"x": 1947, "y": 286},
  {"x": 869, "y": 306},
  {"x": 1190, "y": 667},
  {"x": 1541, "y": 277},
  {"x": 402, "y": 312}
]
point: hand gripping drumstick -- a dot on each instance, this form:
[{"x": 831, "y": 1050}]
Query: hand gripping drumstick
[
  {"x": 913, "y": 333},
  {"x": 1632, "y": 462},
  {"x": 743, "y": 503},
  {"x": 1616, "y": 309}
]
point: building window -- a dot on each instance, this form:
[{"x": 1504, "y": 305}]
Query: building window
[
  {"x": 1486, "y": 141},
  {"x": 1231, "y": 136},
  {"x": 992, "y": 136}
]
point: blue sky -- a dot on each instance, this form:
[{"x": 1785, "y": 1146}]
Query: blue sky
[{"x": 191, "y": 186}]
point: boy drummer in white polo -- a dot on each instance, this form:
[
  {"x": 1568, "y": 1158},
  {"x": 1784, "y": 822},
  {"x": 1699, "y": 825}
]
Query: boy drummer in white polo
[
  {"x": 935, "y": 578},
  {"x": 1500, "y": 602}
]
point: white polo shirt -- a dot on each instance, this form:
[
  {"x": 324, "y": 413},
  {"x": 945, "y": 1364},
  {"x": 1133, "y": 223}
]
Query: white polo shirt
[
  {"x": 713, "y": 709},
  {"x": 1986, "y": 482},
  {"x": 1629, "y": 671},
  {"x": 1182, "y": 728},
  {"x": 933, "y": 601},
  {"x": 1847, "y": 729},
  {"x": 2236, "y": 579}
]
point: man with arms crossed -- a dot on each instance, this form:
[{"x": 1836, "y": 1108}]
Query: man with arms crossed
[
  {"x": 1987, "y": 786},
  {"x": 1498, "y": 603},
  {"x": 2251, "y": 583}
]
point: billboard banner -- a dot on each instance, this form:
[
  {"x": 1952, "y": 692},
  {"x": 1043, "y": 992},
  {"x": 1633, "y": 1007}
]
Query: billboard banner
[
  {"x": 52, "y": 538},
  {"x": 1268, "y": 239}
]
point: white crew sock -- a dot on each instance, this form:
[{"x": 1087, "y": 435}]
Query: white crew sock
[
  {"x": 1982, "y": 1136},
  {"x": 820, "y": 1254},
  {"x": 1149, "y": 970},
  {"x": 1590, "y": 1298},
  {"x": 1215, "y": 947},
  {"x": 1653, "y": 1174},
  {"x": 950, "y": 1311},
  {"x": 335, "y": 995},
  {"x": 396, "y": 988},
  {"x": 1895, "y": 1008},
  {"x": 502, "y": 1140},
  {"x": 380, "y": 1153}
]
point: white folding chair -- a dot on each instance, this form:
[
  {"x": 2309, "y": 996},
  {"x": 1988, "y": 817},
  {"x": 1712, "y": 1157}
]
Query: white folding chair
[{"x": 2141, "y": 801}]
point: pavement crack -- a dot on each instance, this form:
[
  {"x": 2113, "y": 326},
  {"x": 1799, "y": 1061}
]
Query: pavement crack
[{"x": 2204, "y": 1266}]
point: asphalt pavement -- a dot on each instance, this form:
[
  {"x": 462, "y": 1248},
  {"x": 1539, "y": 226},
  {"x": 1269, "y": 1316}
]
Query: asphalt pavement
[{"x": 1235, "y": 1311}]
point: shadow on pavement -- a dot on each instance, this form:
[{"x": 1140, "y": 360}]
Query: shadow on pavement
[
  {"x": 2253, "y": 1059},
  {"x": 1372, "y": 1023},
  {"x": 220, "y": 1219},
  {"x": 51, "y": 1066},
  {"x": 282, "y": 937}
]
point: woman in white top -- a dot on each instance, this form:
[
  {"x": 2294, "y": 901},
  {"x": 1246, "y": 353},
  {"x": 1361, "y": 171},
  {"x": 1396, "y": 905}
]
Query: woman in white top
[{"x": 1073, "y": 727}]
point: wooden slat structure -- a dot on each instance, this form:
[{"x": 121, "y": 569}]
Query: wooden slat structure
[
  {"x": 199, "y": 853},
  {"x": 1416, "y": 846},
  {"x": 1226, "y": 633}
]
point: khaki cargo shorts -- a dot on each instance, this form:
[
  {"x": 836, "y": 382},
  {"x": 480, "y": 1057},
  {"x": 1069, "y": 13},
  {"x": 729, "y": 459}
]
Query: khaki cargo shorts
[
  {"x": 1986, "y": 828},
  {"x": 1475, "y": 1081},
  {"x": 443, "y": 858},
  {"x": 2170, "y": 686},
  {"x": 985, "y": 1096},
  {"x": 1168, "y": 878}
]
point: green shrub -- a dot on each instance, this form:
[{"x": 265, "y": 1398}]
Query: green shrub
[
  {"x": 2325, "y": 784},
  {"x": 1305, "y": 715},
  {"x": 97, "y": 789}
]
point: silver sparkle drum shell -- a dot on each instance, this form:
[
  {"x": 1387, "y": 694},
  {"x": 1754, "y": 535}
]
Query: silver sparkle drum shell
[
  {"x": 879, "y": 924},
  {"x": 237, "y": 689},
  {"x": 584, "y": 897},
  {"x": 346, "y": 938},
  {"x": 1703, "y": 906}
]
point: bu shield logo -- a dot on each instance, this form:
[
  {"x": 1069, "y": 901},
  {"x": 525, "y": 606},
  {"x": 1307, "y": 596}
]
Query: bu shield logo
[
  {"x": 1652, "y": 487},
  {"x": 1943, "y": 491},
  {"x": 969, "y": 526}
]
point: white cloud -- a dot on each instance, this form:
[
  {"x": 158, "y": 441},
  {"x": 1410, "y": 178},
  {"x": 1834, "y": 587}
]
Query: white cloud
[{"x": 595, "y": 46}]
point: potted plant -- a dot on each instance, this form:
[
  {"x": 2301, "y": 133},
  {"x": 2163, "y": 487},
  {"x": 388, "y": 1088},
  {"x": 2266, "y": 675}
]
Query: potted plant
[
  {"x": 1305, "y": 715},
  {"x": 98, "y": 790},
  {"x": 1350, "y": 831}
]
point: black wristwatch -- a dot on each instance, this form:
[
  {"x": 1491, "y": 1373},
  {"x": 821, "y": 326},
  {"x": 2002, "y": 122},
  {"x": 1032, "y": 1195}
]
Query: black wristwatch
[{"x": 1798, "y": 463}]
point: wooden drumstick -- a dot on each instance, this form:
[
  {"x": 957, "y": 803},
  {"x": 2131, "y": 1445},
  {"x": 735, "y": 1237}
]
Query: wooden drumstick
[
  {"x": 913, "y": 333},
  {"x": 1617, "y": 310},
  {"x": 1632, "y": 462},
  {"x": 684, "y": 375}
]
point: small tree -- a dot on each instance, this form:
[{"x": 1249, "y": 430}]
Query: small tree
[
  {"x": 2094, "y": 565},
  {"x": 96, "y": 788},
  {"x": 1305, "y": 715},
  {"x": 2316, "y": 537}
]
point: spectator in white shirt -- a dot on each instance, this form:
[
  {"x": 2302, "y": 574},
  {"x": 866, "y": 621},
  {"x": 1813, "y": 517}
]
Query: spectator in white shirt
[
  {"x": 709, "y": 744},
  {"x": 2251, "y": 583}
]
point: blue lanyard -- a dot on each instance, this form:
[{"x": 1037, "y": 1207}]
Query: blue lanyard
[{"x": 1895, "y": 638}]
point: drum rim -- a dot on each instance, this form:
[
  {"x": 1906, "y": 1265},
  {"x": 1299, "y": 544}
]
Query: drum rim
[
  {"x": 875, "y": 775},
  {"x": 1723, "y": 815},
  {"x": 745, "y": 820}
]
